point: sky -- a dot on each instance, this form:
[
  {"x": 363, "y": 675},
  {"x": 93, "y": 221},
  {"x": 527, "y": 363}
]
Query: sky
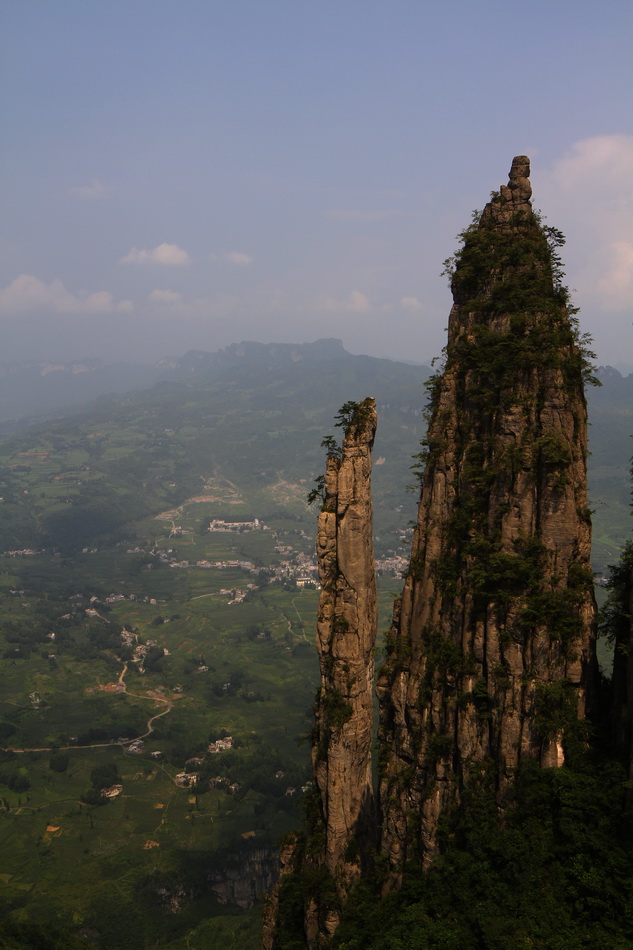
[{"x": 184, "y": 175}]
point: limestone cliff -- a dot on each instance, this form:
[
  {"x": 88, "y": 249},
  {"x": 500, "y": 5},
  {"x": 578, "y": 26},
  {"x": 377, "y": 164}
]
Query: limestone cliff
[
  {"x": 346, "y": 635},
  {"x": 490, "y": 658},
  {"x": 341, "y": 826},
  {"x": 289, "y": 861}
]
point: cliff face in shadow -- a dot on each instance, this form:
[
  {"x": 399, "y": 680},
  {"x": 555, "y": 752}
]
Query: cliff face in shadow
[
  {"x": 618, "y": 622},
  {"x": 491, "y": 655}
]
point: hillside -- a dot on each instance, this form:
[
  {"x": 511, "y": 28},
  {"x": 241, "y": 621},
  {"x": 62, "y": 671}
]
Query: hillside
[
  {"x": 120, "y": 605},
  {"x": 253, "y": 414},
  {"x": 113, "y": 502}
]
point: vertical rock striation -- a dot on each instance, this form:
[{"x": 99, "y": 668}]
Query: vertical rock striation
[
  {"x": 491, "y": 658},
  {"x": 346, "y": 634},
  {"x": 319, "y": 867},
  {"x": 289, "y": 855}
]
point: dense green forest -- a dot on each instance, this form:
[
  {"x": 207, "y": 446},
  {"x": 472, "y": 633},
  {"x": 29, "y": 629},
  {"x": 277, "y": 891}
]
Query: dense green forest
[{"x": 555, "y": 872}]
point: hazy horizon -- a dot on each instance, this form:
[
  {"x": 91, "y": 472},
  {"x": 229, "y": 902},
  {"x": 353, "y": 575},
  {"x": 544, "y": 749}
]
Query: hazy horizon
[{"x": 623, "y": 367}]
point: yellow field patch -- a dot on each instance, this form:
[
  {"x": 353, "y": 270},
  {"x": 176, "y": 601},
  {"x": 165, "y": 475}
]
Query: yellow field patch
[
  {"x": 52, "y": 831},
  {"x": 159, "y": 805}
]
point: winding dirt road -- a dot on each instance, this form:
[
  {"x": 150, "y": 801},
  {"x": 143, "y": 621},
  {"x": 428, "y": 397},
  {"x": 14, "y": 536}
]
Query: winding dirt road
[{"x": 100, "y": 745}]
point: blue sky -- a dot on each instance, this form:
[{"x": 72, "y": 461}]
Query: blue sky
[{"x": 185, "y": 175}]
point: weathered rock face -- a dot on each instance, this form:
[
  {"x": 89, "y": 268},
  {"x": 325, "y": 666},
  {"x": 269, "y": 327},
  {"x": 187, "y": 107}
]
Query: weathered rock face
[
  {"x": 244, "y": 878},
  {"x": 491, "y": 657},
  {"x": 288, "y": 861},
  {"x": 346, "y": 635},
  {"x": 341, "y": 819}
]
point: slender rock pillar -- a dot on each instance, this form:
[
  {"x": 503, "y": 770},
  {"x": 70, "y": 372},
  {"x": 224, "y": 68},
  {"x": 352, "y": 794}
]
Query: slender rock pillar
[
  {"x": 346, "y": 635},
  {"x": 323, "y": 863}
]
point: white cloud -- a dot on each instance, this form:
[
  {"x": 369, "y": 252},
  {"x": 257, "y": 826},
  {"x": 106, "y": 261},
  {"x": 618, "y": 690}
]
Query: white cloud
[
  {"x": 233, "y": 257},
  {"x": 169, "y": 297},
  {"x": 96, "y": 190},
  {"x": 167, "y": 254},
  {"x": 588, "y": 194},
  {"x": 238, "y": 257},
  {"x": 355, "y": 303},
  {"x": 617, "y": 282},
  {"x": 28, "y": 293},
  {"x": 411, "y": 303},
  {"x": 602, "y": 161}
]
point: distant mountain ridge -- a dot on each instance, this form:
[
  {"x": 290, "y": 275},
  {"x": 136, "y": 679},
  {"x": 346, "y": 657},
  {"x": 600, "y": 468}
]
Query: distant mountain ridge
[
  {"x": 265, "y": 407},
  {"x": 252, "y": 352},
  {"x": 44, "y": 387}
]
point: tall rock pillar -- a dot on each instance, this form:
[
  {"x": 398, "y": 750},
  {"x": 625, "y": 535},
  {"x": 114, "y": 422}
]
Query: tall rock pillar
[
  {"x": 340, "y": 833},
  {"x": 491, "y": 656},
  {"x": 346, "y": 635}
]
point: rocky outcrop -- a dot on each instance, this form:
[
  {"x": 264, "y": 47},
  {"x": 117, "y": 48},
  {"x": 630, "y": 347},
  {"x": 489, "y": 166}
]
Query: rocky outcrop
[
  {"x": 288, "y": 861},
  {"x": 346, "y": 635},
  {"x": 244, "y": 877},
  {"x": 491, "y": 659},
  {"x": 241, "y": 875}
]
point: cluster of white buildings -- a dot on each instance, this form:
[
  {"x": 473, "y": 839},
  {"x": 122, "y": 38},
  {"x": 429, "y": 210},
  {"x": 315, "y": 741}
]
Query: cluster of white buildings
[
  {"x": 219, "y": 524},
  {"x": 301, "y": 568},
  {"x": 392, "y": 565},
  {"x": 219, "y": 565}
]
